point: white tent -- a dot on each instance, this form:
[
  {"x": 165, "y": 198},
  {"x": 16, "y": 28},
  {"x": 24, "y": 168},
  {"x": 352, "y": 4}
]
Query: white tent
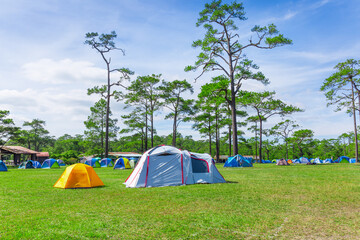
[{"x": 169, "y": 166}]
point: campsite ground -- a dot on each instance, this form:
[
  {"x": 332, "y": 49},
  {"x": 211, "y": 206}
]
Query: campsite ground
[{"x": 263, "y": 202}]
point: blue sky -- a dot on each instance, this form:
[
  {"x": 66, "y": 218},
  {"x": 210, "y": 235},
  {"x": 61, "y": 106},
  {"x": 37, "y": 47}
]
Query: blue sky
[{"x": 45, "y": 69}]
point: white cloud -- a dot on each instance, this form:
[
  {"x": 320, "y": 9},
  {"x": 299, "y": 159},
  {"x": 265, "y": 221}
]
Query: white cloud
[
  {"x": 289, "y": 15},
  {"x": 326, "y": 57},
  {"x": 66, "y": 71},
  {"x": 319, "y": 4},
  {"x": 63, "y": 112}
]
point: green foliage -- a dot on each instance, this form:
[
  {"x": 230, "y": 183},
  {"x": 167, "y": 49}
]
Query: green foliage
[
  {"x": 284, "y": 130},
  {"x": 37, "y": 137},
  {"x": 136, "y": 124},
  {"x": 340, "y": 89},
  {"x": 7, "y": 128},
  {"x": 145, "y": 94},
  {"x": 222, "y": 51},
  {"x": 337, "y": 87},
  {"x": 69, "y": 154},
  {"x": 96, "y": 124},
  {"x": 70, "y": 161},
  {"x": 104, "y": 42},
  {"x": 303, "y": 138},
  {"x": 265, "y": 105},
  {"x": 181, "y": 109}
]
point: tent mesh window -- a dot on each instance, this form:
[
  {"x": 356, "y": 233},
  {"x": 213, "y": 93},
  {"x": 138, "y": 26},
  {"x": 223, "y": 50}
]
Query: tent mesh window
[
  {"x": 165, "y": 154},
  {"x": 199, "y": 166}
]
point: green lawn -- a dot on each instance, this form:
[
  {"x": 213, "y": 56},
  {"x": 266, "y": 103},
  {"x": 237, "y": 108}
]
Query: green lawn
[{"x": 263, "y": 202}]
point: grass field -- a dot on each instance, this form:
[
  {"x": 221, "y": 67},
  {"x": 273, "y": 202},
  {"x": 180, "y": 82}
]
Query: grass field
[{"x": 263, "y": 202}]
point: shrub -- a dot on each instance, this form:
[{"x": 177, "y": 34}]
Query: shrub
[{"x": 70, "y": 161}]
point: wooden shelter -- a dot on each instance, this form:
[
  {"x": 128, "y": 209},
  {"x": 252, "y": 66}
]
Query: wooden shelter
[
  {"x": 42, "y": 156},
  {"x": 17, "y": 151}
]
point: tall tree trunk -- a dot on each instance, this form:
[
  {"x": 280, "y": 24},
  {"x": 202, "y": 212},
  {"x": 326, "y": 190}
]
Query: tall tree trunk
[
  {"x": 256, "y": 143},
  {"x": 233, "y": 97},
  {"x": 142, "y": 142},
  {"x": 217, "y": 136},
  {"x": 102, "y": 139},
  {"x": 209, "y": 128},
  {"x": 146, "y": 129},
  {"x": 293, "y": 150},
  {"x": 174, "y": 129},
  {"x": 260, "y": 139},
  {"x": 229, "y": 140},
  {"x": 102, "y": 134},
  {"x": 301, "y": 150},
  {"x": 355, "y": 128},
  {"x": 286, "y": 146},
  {"x": 233, "y": 119},
  {"x": 107, "y": 111},
  {"x": 152, "y": 128}
]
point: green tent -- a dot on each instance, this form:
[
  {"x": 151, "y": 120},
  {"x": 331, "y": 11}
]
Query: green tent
[{"x": 50, "y": 163}]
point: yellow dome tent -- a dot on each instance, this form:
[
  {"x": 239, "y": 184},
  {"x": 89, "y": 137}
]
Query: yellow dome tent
[{"x": 79, "y": 176}]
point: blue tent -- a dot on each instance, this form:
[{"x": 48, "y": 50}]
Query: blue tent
[
  {"x": 317, "y": 161},
  {"x": 122, "y": 163},
  {"x": 238, "y": 161},
  {"x": 352, "y": 160},
  {"x": 343, "y": 159},
  {"x": 93, "y": 163},
  {"x": 106, "y": 162},
  {"x": 266, "y": 161},
  {"x": 26, "y": 165},
  {"x": 296, "y": 161},
  {"x": 61, "y": 162},
  {"x": 50, "y": 163},
  {"x": 3, "y": 167},
  {"x": 328, "y": 160},
  {"x": 304, "y": 160},
  {"x": 36, "y": 164}
]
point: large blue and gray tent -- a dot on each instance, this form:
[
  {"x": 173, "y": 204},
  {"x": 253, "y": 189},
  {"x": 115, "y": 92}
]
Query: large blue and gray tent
[
  {"x": 26, "y": 165},
  {"x": 93, "y": 163},
  {"x": 343, "y": 159},
  {"x": 3, "y": 167},
  {"x": 238, "y": 161},
  {"x": 50, "y": 163},
  {"x": 106, "y": 162},
  {"x": 36, "y": 164},
  {"x": 168, "y": 166},
  {"x": 61, "y": 162}
]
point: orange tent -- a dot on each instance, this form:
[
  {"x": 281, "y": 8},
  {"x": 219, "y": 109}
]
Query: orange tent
[
  {"x": 289, "y": 161},
  {"x": 79, "y": 176}
]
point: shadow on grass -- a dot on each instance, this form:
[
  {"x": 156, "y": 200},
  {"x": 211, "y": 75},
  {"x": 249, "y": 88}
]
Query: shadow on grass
[
  {"x": 82, "y": 188},
  {"x": 231, "y": 182}
]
